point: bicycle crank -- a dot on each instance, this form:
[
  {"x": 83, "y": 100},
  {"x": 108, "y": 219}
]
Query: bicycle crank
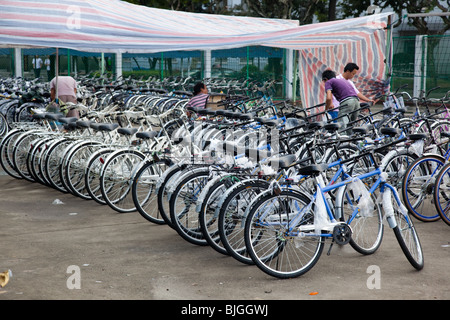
[{"x": 342, "y": 233}]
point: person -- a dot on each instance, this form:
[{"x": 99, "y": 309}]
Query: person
[
  {"x": 47, "y": 65},
  {"x": 345, "y": 94},
  {"x": 37, "y": 65},
  {"x": 67, "y": 92},
  {"x": 350, "y": 71},
  {"x": 200, "y": 97}
]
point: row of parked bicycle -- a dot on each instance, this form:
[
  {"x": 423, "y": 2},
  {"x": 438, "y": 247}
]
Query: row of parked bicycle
[{"x": 268, "y": 187}]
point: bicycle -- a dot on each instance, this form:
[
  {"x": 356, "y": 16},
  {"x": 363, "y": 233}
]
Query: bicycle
[{"x": 283, "y": 226}]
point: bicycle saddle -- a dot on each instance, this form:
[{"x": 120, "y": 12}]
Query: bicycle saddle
[
  {"x": 68, "y": 120},
  {"x": 53, "y": 116},
  {"x": 83, "y": 123},
  {"x": 316, "y": 125},
  {"x": 313, "y": 169},
  {"x": 127, "y": 131},
  {"x": 283, "y": 162},
  {"x": 332, "y": 126},
  {"x": 362, "y": 130},
  {"x": 418, "y": 136},
  {"x": 107, "y": 126},
  {"x": 392, "y": 132},
  {"x": 147, "y": 134}
]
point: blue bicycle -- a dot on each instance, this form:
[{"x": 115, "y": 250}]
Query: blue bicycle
[{"x": 286, "y": 229}]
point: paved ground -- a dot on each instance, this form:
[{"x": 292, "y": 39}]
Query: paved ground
[{"x": 122, "y": 256}]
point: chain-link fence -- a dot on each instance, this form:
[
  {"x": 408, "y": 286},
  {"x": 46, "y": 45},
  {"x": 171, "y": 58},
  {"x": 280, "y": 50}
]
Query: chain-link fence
[{"x": 422, "y": 61}]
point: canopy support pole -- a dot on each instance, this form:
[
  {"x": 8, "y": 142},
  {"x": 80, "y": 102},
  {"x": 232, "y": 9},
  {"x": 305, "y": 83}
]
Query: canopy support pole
[
  {"x": 18, "y": 62},
  {"x": 118, "y": 65}
]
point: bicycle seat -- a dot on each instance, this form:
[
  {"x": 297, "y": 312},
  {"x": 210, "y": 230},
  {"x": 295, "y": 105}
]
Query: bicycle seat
[
  {"x": 147, "y": 134},
  {"x": 68, "y": 120},
  {"x": 387, "y": 110},
  {"x": 127, "y": 131},
  {"x": 83, "y": 123},
  {"x": 392, "y": 132},
  {"x": 203, "y": 112},
  {"x": 210, "y": 112},
  {"x": 108, "y": 126},
  {"x": 332, "y": 126},
  {"x": 220, "y": 112},
  {"x": 362, "y": 130},
  {"x": 283, "y": 162},
  {"x": 246, "y": 116},
  {"x": 53, "y": 116},
  {"x": 313, "y": 169},
  {"x": 401, "y": 110},
  {"x": 417, "y": 136},
  {"x": 316, "y": 125},
  {"x": 445, "y": 134}
]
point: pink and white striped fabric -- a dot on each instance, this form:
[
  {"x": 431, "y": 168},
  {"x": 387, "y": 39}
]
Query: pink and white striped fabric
[{"x": 118, "y": 26}]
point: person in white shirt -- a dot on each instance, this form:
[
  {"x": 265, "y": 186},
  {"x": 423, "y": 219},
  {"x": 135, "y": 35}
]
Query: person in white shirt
[
  {"x": 37, "y": 65},
  {"x": 350, "y": 71},
  {"x": 47, "y": 64}
]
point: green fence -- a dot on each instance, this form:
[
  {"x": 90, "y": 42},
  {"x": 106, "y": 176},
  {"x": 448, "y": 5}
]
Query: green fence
[{"x": 422, "y": 62}]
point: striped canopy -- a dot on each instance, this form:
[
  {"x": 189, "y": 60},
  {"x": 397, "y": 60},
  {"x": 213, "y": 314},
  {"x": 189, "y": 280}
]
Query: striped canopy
[{"x": 120, "y": 27}]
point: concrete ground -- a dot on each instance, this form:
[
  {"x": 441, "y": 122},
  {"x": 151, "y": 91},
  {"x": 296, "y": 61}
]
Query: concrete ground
[{"x": 80, "y": 250}]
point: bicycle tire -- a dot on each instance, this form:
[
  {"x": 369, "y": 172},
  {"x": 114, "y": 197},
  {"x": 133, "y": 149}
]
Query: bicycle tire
[
  {"x": 73, "y": 169},
  {"x": 232, "y": 217},
  {"x": 441, "y": 193},
  {"x": 116, "y": 179},
  {"x": 208, "y": 214},
  {"x": 182, "y": 207},
  {"x": 163, "y": 196},
  {"x": 92, "y": 174},
  {"x": 407, "y": 237},
  {"x": 270, "y": 244},
  {"x": 6, "y": 148},
  {"x": 367, "y": 229},
  {"x": 418, "y": 187},
  {"x": 144, "y": 189}
]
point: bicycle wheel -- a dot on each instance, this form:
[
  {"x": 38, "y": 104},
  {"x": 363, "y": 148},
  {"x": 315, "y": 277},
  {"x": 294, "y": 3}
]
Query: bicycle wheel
[
  {"x": 208, "y": 213},
  {"x": 272, "y": 238},
  {"x": 53, "y": 161},
  {"x": 183, "y": 215},
  {"x": 367, "y": 226},
  {"x": 232, "y": 217},
  {"x": 6, "y": 149},
  {"x": 74, "y": 166},
  {"x": 35, "y": 157},
  {"x": 442, "y": 193},
  {"x": 407, "y": 236},
  {"x": 92, "y": 173},
  {"x": 163, "y": 196},
  {"x": 144, "y": 189},
  {"x": 395, "y": 165},
  {"x": 418, "y": 187},
  {"x": 21, "y": 152},
  {"x": 116, "y": 179}
]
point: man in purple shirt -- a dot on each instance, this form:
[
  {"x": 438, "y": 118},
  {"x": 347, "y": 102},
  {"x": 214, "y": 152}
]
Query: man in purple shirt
[{"x": 345, "y": 94}]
